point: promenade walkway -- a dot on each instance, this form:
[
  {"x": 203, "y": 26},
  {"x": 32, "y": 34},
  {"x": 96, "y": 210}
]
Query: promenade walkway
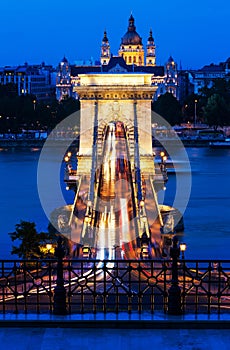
[{"x": 136, "y": 332}]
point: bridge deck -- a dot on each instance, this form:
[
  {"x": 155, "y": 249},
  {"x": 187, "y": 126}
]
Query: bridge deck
[{"x": 114, "y": 218}]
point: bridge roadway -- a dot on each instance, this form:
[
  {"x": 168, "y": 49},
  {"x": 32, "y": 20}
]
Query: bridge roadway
[
  {"x": 116, "y": 213},
  {"x": 114, "y": 220}
]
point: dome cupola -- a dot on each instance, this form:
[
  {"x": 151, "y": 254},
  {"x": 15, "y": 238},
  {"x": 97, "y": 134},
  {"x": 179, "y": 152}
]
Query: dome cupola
[
  {"x": 131, "y": 37},
  {"x": 131, "y": 48}
]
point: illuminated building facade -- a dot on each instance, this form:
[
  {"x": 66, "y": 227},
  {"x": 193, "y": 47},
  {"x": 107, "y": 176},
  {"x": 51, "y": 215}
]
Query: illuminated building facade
[
  {"x": 131, "y": 59},
  {"x": 192, "y": 81},
  {"x": 209, "y": 73},
  {"x": 38, "y": 80},
  {"x": 63, "y": 86},
  {"x": 131, "y": 48}
]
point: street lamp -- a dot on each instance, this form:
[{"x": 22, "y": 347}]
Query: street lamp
[
  {"x": 183, "y": 249},
  {"x": 142, "y": 203},
  {"x": 163, "y": 161},
  {"x": 195, "y": 113},
  {"x": 34, "y": 102},
  {"x": 48, "y": 246},
  {"x": 59, "y": 307},
  {"x": 174, "y": 292},
  {"x": 89, "y": 205}
]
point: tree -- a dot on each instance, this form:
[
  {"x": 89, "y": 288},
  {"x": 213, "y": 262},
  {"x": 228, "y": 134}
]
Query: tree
[
  {"x": 30, "y": 239},
  {"x": 21, "y": 112},
  {"x": 216, "y": 111},
  {"x": 220, "y": 87},
  {"x": 169, "y": 108}
]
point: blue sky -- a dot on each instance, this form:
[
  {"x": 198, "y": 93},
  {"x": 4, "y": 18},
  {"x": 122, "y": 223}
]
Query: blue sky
[{"x": 193, "y": 32}]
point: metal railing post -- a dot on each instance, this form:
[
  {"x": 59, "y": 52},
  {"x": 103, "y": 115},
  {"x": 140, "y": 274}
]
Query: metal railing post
[
  {"x": 59, "y": 290},
  {"x": 174, "y": 292}
]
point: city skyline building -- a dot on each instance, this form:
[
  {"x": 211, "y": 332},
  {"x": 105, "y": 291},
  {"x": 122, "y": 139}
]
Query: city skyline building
[
  {"x": 37, "y": 80},
  {"x": 132, "y": 58}
]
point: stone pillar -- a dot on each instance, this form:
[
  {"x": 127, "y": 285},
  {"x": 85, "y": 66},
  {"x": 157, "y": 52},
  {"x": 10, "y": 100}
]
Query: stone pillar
[
  {"x": 86, "y": 127},
  {"x": 144, "y": 126}
]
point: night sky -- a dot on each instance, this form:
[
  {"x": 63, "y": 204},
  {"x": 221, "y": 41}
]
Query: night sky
[{"x": 194, "y": 32}]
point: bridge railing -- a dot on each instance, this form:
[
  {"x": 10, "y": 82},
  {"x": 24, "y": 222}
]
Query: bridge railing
[{"x": 114, "y": 286}]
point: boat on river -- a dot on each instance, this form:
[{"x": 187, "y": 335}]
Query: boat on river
[{"x": 220, "y": 144}]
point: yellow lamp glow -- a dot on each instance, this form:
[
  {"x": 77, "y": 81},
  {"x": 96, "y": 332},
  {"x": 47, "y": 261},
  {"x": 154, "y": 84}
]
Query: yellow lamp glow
[
  {"x": 183, "y": 247},
  {"x": 142, "y": 203},
  {"x": 48, "y": 246},
  {"x": 87, "y": 219}
]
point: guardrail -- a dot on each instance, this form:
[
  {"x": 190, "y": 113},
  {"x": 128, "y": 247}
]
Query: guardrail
[{"x": 81, "y": 286}]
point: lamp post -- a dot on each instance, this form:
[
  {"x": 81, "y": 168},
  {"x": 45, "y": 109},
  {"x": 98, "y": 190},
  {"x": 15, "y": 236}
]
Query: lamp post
[
  {"x": 59, "y": 290},
  {"x": 195, "y": 112},
  {"x": 49, "y": 246},
  {"x": 183, "y": 249},
  {"x": 163, "y": 161},
  {"x": 142, "y": 203},
  {"x": 89, "y": 207},
  {"x": 174, "y": 293}
]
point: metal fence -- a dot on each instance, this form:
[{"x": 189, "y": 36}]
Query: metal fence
[{"x": 81, "y": 286}]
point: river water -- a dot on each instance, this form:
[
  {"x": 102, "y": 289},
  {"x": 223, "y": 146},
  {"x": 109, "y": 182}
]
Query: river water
[{"x": 207, "y": 216}]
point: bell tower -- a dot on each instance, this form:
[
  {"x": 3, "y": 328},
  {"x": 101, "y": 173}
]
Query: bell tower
[
  {"x": 105, "y": 50},
  {"x": 151, "y": 51},
  {"x": 171, "y": 76},
  {"x": 63, "y": 80}
]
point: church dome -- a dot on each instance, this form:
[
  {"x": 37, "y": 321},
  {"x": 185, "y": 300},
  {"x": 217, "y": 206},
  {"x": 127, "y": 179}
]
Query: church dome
[{"x": 131, "y": 37}]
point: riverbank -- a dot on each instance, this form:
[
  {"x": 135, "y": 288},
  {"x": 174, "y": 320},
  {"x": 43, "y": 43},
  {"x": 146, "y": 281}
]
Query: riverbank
[
  {"x": 37, "y": 143},
  {"x": 34, "y": 143},
  {"x": 186, "y": 142}
]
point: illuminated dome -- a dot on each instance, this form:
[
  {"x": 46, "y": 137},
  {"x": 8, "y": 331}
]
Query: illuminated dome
[{"x": 131, "y": 37}]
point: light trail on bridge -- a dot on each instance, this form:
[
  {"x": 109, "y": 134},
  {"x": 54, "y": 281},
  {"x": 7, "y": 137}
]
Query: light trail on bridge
[{"x": 115, "y": 219}]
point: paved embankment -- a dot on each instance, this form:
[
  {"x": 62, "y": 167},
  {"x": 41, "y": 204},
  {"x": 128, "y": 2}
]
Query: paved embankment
[{"x": 136, "y": 332}]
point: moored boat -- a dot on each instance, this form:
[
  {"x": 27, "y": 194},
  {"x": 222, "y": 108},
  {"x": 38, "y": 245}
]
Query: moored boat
[{"x": 220, "y": 144}]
